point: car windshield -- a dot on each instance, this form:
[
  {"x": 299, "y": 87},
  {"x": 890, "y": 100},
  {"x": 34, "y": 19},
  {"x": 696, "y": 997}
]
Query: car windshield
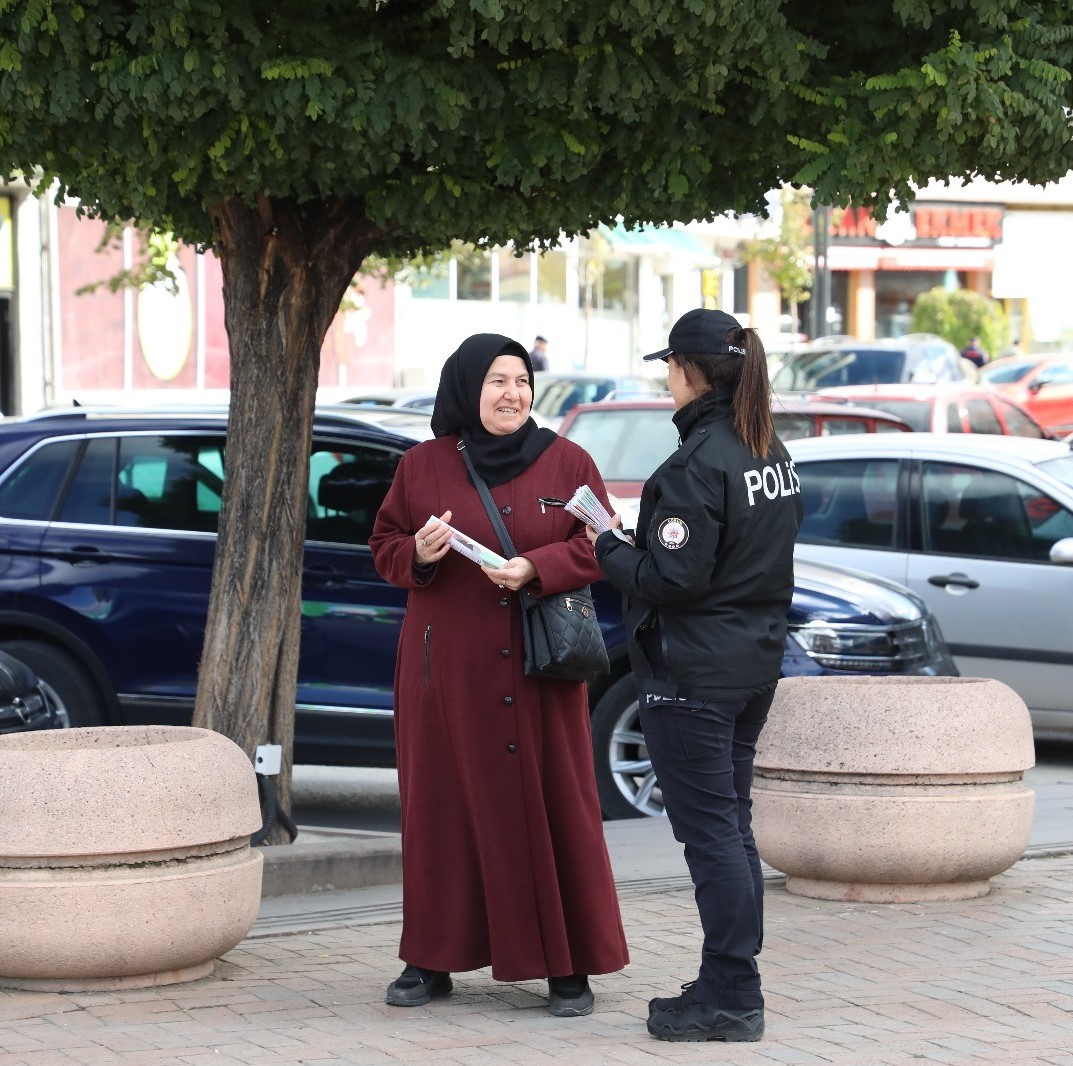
[
  {"x": 1006, "y": 375},
  {"x": 626, "y": 445},
  {"x": 1061, "y": 468},
  {"x": 555, "y": 396},
  {"x": 807, "y": 371}
]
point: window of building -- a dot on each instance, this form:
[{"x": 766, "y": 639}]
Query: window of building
[
  {"x": 431, "y": 283},
  {"x": 607, "y": 289},
  {"x": 551, "y": 278},
  {"x": 514, "y": 276},
  {"x": 473, "y": 277},
  {"x": 896, "y": 292},
  {"x": 741, "y": 290}
]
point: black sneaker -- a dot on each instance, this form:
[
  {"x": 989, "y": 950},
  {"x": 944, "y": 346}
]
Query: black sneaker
[
  {"x": 683, "y": 999},
  {"x": 698, "y": 1021},
  {"x": 414, "y": 987},
  {"x": 570, "y": 997}
]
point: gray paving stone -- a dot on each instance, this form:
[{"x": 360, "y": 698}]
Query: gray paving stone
[{"x": 981, "y": 981}]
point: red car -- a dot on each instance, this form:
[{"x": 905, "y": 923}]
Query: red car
[
  {"x": 1041, "y": 384},
  {"x": 944, "y": 407},
  {"x": 628, "y": 439}
]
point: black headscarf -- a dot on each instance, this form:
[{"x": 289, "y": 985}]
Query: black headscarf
[{"x": 458, "y": 410}]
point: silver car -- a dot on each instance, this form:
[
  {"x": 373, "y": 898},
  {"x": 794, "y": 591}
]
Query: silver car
[
  {"x": 979, "y": 526},
  {"x": 831, "y": 362}
]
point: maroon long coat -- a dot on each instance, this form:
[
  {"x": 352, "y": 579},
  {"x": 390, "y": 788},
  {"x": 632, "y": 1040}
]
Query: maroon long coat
[{"x": 504, "y": 860}]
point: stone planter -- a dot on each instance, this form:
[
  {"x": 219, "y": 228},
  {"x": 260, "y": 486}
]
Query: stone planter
[
  {"x": 125, "y": 856},
  {"x": 893, "y": 789}
]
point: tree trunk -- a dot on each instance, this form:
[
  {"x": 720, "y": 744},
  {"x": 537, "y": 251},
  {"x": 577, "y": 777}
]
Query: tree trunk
[{"x": 285, "y": 269}]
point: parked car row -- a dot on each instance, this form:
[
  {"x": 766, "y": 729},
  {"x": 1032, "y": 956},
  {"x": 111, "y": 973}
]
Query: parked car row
[
  {"x": 628, "y": 439},
  {"x": 978, "y": 525},
  {"x": 556, "y": 394},
  {"x": 108, "y": 525}
]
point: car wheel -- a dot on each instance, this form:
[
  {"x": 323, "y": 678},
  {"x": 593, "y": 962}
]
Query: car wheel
[
  {"x": 66, "y": 681},
  {"x": 624, "y": 777}
]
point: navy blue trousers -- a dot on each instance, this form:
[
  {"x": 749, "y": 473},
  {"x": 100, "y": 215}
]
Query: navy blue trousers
[{"x": 702, "y": 753}]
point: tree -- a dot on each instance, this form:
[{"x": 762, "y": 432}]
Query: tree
[
  {"x": 298, "y": 139},
  {"x": 787, "y": 258},
  {"x": 958, "y": 315}
]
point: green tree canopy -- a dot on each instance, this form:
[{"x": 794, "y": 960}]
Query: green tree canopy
[
  {"x": 512, "y": 119},
  {"x": 297, "y": 139}
]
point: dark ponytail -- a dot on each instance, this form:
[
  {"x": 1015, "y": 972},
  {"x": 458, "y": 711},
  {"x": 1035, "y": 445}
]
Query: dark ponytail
[{"x": 745, "y": 378}]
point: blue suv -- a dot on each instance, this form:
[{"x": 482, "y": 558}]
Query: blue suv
[{"x": 108, "y": 523}]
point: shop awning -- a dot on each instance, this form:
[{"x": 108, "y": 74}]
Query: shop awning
[
  {"x": 885, "y": 257},
  {"x": 660, "y": 240}
]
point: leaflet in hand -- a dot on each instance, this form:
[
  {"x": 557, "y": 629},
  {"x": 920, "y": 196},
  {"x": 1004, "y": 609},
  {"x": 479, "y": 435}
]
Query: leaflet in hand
[
  {"x": 471, "y": 548},
  {"x": 585, "y": 504}
]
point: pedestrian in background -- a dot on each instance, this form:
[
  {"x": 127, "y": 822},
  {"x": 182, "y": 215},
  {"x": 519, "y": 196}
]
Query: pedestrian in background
[
  {"x": 707, "y": 585},
  {"x": 504, "y": 859},
  {"x": 974, "y": 353},
  {"x": 538, "y": 357}
]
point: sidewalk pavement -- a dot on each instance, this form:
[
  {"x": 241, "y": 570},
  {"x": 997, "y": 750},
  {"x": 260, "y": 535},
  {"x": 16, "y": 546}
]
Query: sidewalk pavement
[{"x": 977, "y": 981}]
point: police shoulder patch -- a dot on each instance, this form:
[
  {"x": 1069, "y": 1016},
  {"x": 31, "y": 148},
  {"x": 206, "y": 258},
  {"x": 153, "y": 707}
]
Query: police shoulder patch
[{"x": 673, "y": 533}]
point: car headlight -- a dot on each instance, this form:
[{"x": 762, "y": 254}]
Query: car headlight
[{"x": 837, "y": 646}]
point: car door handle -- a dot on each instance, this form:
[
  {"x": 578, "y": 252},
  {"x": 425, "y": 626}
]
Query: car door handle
[
  {"x": 962, "y": 580},
  {"x": 81, "y": 551}
]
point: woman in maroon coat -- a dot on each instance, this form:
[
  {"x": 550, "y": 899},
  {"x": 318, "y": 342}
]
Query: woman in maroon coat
[{"x": 504, "y": 860}]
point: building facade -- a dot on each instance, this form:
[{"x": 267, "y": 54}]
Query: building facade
[{"x": 602, "y": 301}]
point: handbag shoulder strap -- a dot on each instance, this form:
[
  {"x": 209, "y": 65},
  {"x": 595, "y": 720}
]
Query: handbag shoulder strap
[{"x": 489, "y": 504}]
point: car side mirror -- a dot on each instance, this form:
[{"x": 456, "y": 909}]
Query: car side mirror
[
  {"x": 1062, "y": 552},
  {"x": 1036, "y": 386}
]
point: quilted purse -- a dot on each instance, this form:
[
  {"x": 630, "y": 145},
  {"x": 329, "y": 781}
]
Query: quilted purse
[{"x": 561, "y": 632}]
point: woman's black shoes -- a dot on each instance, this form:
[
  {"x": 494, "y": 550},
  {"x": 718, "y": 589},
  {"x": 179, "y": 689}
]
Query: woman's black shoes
[
  {"x": 698, "y": 1021},
  {"x": 414, "y": 987},
  {"x": 570, "y": 997}
]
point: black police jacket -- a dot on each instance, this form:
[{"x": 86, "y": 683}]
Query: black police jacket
[{"x": 707, "y": 586}]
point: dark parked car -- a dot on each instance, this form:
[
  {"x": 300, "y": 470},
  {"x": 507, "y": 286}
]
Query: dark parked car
[
  {"x": 25, "y": 703},
  {"x": 107, "y": 533}
]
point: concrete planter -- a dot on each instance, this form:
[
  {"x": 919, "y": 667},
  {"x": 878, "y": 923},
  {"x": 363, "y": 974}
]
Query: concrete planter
[
  {"x": 893, "y": 790},
  {"x": 125, "y": 856}
]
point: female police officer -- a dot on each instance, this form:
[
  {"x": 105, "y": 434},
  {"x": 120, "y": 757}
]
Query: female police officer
[{"x": 706, "y": 588}]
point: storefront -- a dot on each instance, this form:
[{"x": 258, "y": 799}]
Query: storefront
[{"x": 879, "y": 269}]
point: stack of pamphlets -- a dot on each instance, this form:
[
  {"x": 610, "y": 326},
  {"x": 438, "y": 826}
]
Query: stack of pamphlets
[
  {"x": 471, "y": 548},
  {"x": 585, "y": 505}
]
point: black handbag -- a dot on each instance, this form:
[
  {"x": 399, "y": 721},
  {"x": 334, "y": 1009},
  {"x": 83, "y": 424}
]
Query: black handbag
[{"x": 561, "y": 632}]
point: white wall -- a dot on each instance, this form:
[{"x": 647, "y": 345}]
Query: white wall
[{"x": 34, "y": 321}]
